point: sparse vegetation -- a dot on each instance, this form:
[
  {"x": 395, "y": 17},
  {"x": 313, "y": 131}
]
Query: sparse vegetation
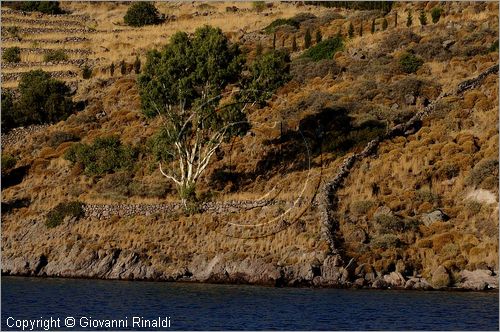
[
  {"x": 436, "y": 13},
  {"x": 55, "y": 56},
  {"x": 259, "y": 6},
  {"x": 42, "y": 99}
]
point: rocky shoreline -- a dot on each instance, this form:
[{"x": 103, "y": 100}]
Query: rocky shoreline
[{"x": 118, "y": 264}]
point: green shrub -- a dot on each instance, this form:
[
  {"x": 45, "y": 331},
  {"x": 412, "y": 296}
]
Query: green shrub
[
  {"x": 281, "y": 22},
  {"x": 137, "y": 65},
  {"x": 142, "y": 13},
  {"x": 324, "y": 50},
  {"x": 425, "y": 195},
  {"x": 385, "y": 24},
  {"x": 410, "y": 63},
  {"x": 8, "y": 162},
  {"x": 57, "y": 215},
  {"x": 12, "y": 54},
  {"x": 482, "y": 172},
  {"x": 391, "y": 224},
  {"x": 386, "y": 241},
  {"x": 42, "y": 99},
  {"x": 436, "y": 14},
  {"x": 104, "y": 155},
  {"x": 55, "y": 56},
  {"x": 12, "y": 31},
  {"x": 350, "y": 32}
]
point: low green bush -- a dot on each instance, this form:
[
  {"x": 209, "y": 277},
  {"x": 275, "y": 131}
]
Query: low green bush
[
  {"x": 57, "y": 215},
  {"x": 281, "y": 22},
  {"x": 324, "y": 49},
  {"x": 104, "y": 155},
  {"x": 259, "y": 6},
  {"x": 42, "y": 99},
  {"x": 142, "y": 13},
  {"x": 55, "y": 56},
  {"x": 12, "y": 54},
  {"x": 410, "y": 63}
]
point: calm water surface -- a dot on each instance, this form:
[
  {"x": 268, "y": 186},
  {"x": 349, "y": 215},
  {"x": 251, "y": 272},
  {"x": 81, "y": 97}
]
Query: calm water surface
[{"x": 235, "y": 307}]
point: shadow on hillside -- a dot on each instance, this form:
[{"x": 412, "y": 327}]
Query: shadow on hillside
[
  {"x": 14, "y": 177},
  {"x": 331, "y": 130}
]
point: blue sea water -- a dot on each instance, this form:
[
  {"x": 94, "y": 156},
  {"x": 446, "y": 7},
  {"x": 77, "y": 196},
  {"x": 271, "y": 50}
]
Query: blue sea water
[{"x": 238, "y": 307}]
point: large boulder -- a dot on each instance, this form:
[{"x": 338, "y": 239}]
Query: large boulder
[
  {"x": 395, "y": 279},
  {"x": 434, "y": 216},
  {"x": 478, "y": 280},
  {"x": 417, "y": 283},
  {"x": 440, "y": 277}
]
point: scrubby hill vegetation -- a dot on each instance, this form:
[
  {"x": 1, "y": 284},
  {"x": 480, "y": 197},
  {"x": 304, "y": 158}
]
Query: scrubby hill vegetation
[{"x": 320, "y": 81}]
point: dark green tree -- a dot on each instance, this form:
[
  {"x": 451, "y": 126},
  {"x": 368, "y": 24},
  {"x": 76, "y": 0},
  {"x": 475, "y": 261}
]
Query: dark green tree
[
  {"x": 422, "y": 18},
  {"x": 46, "y": 7},
  {"x": 294, "y": 44},
  {"x": 42, "y": 99},
  {"x": 384, "y": 24},
  {"x": 436, "y": 14},
  {"x": 409, "y": 19},
  {"x": 112, "y": 68},
  {"x": 274, "y": 41},
  {"x": 137, "y": 65},
  {"x": 373, "y": 26},
  {"x": 319, "y": 36},
  {"x": 350, "y": 32},
  {"x": 184, "y": 84},
  {"x": 307, "y": 39},
  {"x": 123, "y": 67},
  {"x": 395, "y": 19},
  {"x": 141, "y": 13}
]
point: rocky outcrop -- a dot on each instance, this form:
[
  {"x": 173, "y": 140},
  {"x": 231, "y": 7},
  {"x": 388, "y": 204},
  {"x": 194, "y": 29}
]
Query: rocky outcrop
[
  {"x": 478, "y": 280},
  {"x": 18, "y": 134}
]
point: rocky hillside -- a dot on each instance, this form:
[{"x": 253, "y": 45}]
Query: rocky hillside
[{"x": 375, "y": 165}]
